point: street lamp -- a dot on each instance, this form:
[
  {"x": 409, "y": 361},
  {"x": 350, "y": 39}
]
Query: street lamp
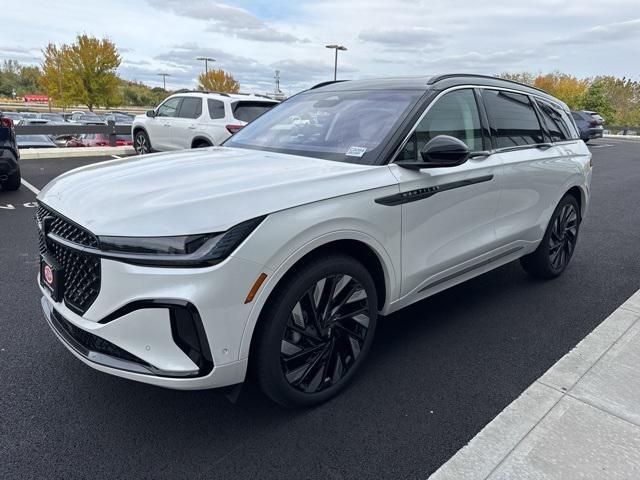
[
  {"x": 335, "y": 65},
  {"x": 206, "y": 63},
  {"x": 164, "y": 80}
]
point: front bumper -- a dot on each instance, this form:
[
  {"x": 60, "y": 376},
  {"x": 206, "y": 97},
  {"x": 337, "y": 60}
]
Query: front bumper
[{"x": 130, "y": 330}]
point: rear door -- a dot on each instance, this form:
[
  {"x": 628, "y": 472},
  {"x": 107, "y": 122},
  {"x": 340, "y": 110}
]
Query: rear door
[
  {"x": 448, "y": 213},
  {"x": 534, "y": 168},
  {"x": 159, "y": 127},
  {"x": 186, "y": 122}
]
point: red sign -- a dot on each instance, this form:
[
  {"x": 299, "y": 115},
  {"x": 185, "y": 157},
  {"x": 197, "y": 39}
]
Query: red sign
[{"x": 36, "y": 99}]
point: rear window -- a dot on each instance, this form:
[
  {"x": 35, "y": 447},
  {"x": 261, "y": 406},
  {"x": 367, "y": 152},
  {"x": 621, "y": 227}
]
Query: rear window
[
  {"x": 513, "y": 119},
  {"x": 249, "y": 111},
  {"x": 191, "y": 107}
]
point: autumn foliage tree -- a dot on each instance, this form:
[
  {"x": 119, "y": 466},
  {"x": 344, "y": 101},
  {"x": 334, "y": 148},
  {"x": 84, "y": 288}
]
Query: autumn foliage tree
[
  {"x": 82, "y": 72},
  {"x": 218, "y": 81},
  {"x": 567, "y": 88}
]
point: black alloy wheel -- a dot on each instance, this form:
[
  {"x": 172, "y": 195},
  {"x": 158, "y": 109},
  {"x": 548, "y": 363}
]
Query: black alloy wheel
[
  {"x": 325, "y": 333},
  {"x": 315, "y": 331},
  {"x": 564, "y": 235},
  {"x": 553, "y": 254}
]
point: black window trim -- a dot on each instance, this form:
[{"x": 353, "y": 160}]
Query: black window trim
[{"x": 424, "y": 105}]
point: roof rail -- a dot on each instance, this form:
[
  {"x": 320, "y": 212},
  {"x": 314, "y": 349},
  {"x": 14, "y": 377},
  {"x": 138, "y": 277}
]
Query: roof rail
[
  {"x": 187, "y": 90},
  {"x": 323, "y": 84},
  {"x": 438, "y": 78}
]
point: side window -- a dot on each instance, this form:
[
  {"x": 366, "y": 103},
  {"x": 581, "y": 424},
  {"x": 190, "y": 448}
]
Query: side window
[
  {"x": 169, "y": 108},
  {"x": 191, "y": 107},
  {"x": 455, "y": 114},
  {"x": 513, "y": 119},
  {"x": 216, "y": 109},
  {"x": 554, "y": 121}
]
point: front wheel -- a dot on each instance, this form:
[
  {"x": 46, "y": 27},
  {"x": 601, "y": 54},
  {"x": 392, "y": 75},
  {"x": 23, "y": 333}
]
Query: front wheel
[
  {"x": 556, "y": 248},
  {"x": 316, "y": 331},
  {"x": 141, "y": 143}
]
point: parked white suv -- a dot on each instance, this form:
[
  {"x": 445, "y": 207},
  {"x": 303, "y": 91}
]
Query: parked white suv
[
  {"x": 194, "y": 119},
  {"x": 278, "y": 250}
]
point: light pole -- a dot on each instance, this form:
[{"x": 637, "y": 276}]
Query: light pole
[
  {"x": 335, "y": 64},
  {"x": 164, "y": 80},
  {"x": 206, "y": 63}
]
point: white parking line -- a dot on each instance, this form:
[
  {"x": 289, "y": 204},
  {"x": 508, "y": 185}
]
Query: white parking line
[
  {"x": 30, "y": 187},
  {"x": 116, "y": 156}
]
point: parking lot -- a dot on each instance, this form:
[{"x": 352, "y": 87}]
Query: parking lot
[{"x": 438, "y": 371}]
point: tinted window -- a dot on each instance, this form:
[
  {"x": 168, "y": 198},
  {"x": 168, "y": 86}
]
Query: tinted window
[
  {"x": 513, "y": 119},
  {"x": 191, "y": 107},
  {"x": 455, "y": 114},
  {"x": 554, "y": 122},
  {"x": 169, "y": 108},
  {"x": 216, "y": 109},
  {"x": 249, "y": 111}
]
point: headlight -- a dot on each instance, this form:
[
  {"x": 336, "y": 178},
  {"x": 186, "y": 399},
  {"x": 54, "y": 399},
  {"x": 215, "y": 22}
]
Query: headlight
[{"x": 185, "y": 250}]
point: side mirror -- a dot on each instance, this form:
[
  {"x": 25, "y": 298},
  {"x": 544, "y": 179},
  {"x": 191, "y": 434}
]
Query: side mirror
[
  {"x": 151, "y": 113},
  {"x": 440, "y": 151}
]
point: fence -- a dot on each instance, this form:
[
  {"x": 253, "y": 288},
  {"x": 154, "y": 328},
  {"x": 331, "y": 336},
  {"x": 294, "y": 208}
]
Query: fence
[{"x": 110, "y": 129}]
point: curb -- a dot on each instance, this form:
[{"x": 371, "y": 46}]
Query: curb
[
  {"x": 518, "y": 434},
  {"x": 42, "y": 153},
  {"x": 622, "y": 137}
]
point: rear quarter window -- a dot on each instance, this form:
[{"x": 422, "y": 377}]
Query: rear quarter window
[{"x": 247, "y": 111}]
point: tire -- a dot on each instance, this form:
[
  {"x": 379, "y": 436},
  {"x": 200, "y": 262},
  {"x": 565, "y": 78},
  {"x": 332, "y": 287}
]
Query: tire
[
  {"x": 300, "y": 362},
  {"x": 12, "y": 183},
  {"x": 201, "y": 144},
  {"x": 141, "y": 143},
  {"x": 553, "y": 254}
]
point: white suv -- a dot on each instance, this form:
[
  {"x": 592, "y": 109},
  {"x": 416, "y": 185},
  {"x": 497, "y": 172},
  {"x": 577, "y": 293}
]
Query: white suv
[
  {"x": 193, "y": 119},
  {"x": 277, "y": 251}
]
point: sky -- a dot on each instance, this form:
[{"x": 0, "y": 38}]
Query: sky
[{"x": 252, "y": 39}]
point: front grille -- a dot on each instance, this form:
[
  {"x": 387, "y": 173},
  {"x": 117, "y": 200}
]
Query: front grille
[
  {"x": 92, "y": 342},
  {"x": 81, "y": 270},
  {"x": 63, "y": 228}
]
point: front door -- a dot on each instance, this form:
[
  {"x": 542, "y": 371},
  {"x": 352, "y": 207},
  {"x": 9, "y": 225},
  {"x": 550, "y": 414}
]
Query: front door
[
  {"x": 159, "y": 127},
  {"x": 448, "y": 216}
]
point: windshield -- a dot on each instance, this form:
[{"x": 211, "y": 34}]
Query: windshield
[{"x": 347, "y": 126}]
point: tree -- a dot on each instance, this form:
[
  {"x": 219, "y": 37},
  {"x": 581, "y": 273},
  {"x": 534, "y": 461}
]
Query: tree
[
  {"x": 595, "y": 99},
  {"x": 218, "y": 81},
  {"x": 624, "y": 96},
  {"x": 521, "y": 77},
  {"x": 83, "y": 72},
  {"x": 565, "y": 87}
]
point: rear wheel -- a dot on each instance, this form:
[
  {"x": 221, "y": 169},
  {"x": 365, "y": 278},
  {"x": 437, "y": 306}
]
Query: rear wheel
[
  {"x": 13, "y": 181},
  {"x": 316, "y": 331},
  {"x": 556, "y": 248},
  {"x": 201, "y": 144},
  {"x": 141, "y": 143}
]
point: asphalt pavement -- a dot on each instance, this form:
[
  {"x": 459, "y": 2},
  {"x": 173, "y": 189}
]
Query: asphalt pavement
[{"x": 437, "y": 373}]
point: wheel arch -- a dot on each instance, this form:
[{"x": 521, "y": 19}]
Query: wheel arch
[
  {"x": 200, "y": 139},
  {"x": 580, "y": 196},
  {"x": 360, "y": 246}
]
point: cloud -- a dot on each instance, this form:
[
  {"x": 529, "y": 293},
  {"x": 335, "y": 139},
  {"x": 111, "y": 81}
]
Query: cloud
[
  {"x": 409, "y": 37},
  {"x": 611, "y": 32},
  {"x": 228, "y": 20}
]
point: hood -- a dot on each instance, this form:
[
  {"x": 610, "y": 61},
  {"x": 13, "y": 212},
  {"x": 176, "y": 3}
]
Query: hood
[{"x": 199, "y": 190}]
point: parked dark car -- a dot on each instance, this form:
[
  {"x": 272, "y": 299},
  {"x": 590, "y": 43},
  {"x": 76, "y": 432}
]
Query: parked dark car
[
  {"x": 590, "y": 124},
  {"x": 119, "y": 118},
  {"x": 88, "y": 118},
  {"x": 9, "y": 155}
]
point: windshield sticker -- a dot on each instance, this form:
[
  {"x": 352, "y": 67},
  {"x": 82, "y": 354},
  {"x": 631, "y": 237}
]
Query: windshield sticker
[{"x": 355, "y": 151}]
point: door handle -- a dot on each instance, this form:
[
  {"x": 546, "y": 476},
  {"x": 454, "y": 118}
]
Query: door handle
[
  {"x": 192, "y": 127},
  {"x": 167, "y": 124}
]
